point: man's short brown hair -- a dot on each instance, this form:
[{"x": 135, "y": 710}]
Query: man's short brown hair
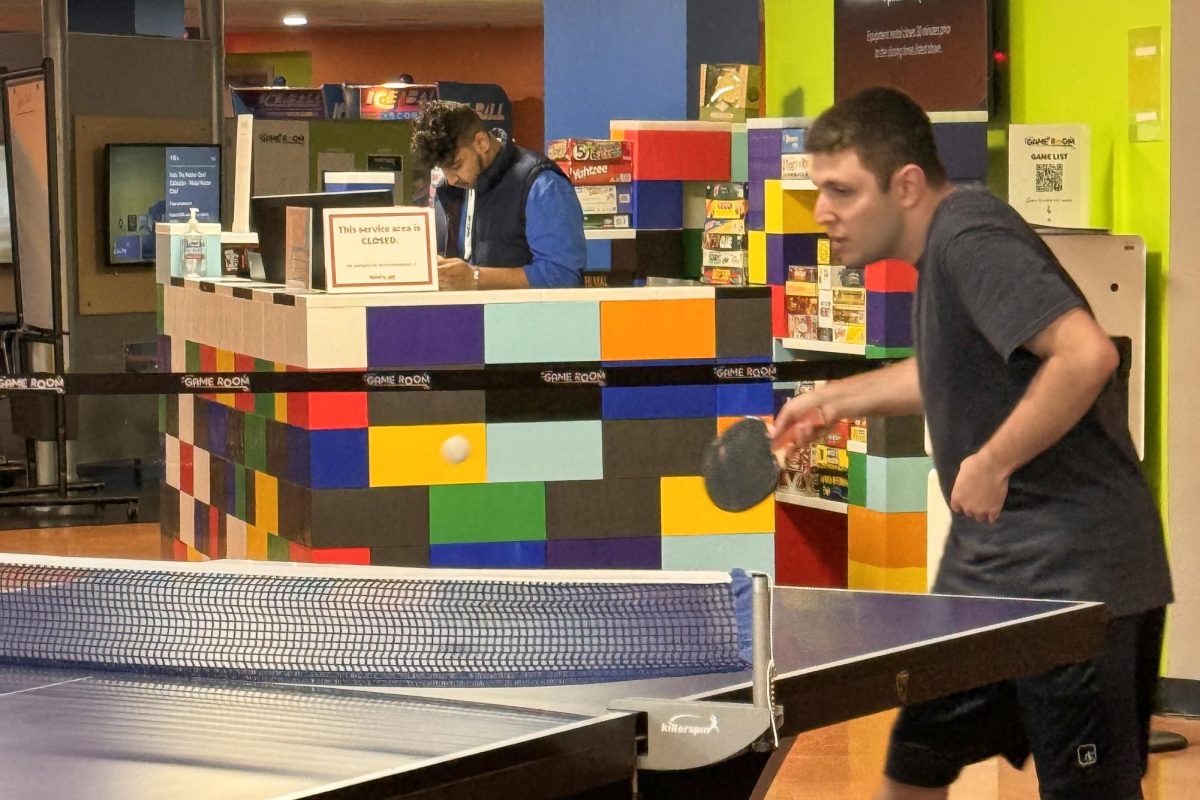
[
  {"x": 442, "y": 129},
  {"x": 886, "y": 128}
]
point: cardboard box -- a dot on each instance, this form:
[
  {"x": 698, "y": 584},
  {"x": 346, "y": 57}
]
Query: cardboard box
[
  {"x": 725, "y": 209},
  {"x": 725, "y": 190},
  {"x": 729, "y": 92},
  {"x": 726, "y": 258},
  {"x": 614, "y": 198},
  {"x": 733, "y": 227},
  {"x": 725, "y": 276},
  {"x": 792, "y": 140},
  {"x": 586, "y": 173},
  {"x": 607, "y": 221},
  {"x": 795, "y": 166},
  {"x": 724, "y": 241},
  {"x": 589, "y": 150}
]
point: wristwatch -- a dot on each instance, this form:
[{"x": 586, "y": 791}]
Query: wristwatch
[{"x": 475, "y": 272}]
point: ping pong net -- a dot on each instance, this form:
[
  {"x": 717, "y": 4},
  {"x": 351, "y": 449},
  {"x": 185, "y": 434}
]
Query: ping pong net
[{"x": 370, "y": 625}]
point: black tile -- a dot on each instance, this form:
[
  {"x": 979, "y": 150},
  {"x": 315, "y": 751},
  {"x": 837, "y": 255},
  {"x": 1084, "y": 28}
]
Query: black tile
[
  {"x": 744, "y": 327},
  {"x": 896, "y": 437},
  {"x": 414, "y": 556},
  {"x": 544, "y": 404},
  {"x": 425, "y": 408},
  {"x": 651, "y": 448},
  {"x": 607, "y": 509},
  {"x": 295, "y": 513},
  {"x": 383, "y": 517}
]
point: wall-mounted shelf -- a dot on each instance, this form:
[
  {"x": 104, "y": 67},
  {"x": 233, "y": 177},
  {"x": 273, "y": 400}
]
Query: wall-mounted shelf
[
  {"x": 815, "y": 346},
  {"x": 808, "y": 501},
  {"x": 797, "y": 185}
]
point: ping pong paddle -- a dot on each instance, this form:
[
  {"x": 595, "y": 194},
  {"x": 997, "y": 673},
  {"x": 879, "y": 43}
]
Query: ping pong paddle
[{"x": 739, "y": 469}]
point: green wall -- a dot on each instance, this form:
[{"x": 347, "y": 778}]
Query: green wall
[
  {"x": 799, "y": 52},
  {"x": 1068, "y": 62}
]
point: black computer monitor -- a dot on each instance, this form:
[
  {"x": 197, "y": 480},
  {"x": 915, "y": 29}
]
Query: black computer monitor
[
  {"x": 268, "y": 215},
  {"x": 151, "y": 183}
]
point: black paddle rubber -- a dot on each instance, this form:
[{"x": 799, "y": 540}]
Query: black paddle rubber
[{"x": 739, "y": 469}]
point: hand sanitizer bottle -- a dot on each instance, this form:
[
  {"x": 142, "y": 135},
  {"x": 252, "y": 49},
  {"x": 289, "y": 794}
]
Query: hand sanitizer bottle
[{"x": 193, "y": 248}]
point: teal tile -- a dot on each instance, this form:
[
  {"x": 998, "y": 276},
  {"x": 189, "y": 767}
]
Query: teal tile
[
  {"x": 739, "y": 153},
  {"x": 545, "y": 451},
  {"x": 897, "y": 484},
  {"x": 518, "y": 333},
  {"x": 749, "y": 551}
]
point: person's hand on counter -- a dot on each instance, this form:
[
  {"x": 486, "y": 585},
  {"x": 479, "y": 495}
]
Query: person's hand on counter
[{"x": 456, "y": 275}]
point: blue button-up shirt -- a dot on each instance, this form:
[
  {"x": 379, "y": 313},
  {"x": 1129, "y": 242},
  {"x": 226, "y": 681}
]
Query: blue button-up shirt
[{"x": 554, "y": 230}]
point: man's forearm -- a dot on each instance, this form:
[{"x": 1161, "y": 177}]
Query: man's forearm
[
  {"x": 1061, "y": 392},
  {"x": 503, "y": 278},
  {"x": 891, "y": 391}
]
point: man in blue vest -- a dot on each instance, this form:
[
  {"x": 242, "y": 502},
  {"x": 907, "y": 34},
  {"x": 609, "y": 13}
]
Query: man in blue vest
[{"x": 507, "y": 217}]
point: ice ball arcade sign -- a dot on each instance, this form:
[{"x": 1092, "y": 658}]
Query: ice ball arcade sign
[{"x": 391, "y": 102}]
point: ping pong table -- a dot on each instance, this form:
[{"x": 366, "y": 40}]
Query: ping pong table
[{"x": 838, "y": 655}]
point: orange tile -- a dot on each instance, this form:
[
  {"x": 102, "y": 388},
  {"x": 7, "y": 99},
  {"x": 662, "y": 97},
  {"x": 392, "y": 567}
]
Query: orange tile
[
  {"x": 645, "y": 330},
  {"x": 886, "y": 539}
]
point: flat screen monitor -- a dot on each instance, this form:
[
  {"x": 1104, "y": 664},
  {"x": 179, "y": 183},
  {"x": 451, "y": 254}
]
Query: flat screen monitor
[
  {"x": 151, "y": 183},
  {"x": 6, "y": 254},
  {"x": 358, "y": 181},
  {"x": 268, "y": 216}
]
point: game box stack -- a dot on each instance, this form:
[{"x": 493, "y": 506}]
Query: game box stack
[{"x": 725, "y": 255}]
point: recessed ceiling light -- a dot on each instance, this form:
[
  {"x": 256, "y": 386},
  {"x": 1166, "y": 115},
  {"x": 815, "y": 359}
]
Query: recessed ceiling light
[{"x": 295, "y": 20}]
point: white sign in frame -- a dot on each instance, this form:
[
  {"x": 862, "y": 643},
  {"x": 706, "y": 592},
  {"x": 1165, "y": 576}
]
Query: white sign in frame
[{"x": 388, "y": 249}]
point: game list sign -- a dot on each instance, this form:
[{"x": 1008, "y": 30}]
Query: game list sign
[{"x": 380, "y": 250}]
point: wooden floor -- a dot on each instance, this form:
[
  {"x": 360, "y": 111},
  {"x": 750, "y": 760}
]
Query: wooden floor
[{"x": 842, "y": 761}]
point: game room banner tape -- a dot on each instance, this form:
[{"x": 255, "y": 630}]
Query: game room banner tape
[{"x": 494, "y": 377}]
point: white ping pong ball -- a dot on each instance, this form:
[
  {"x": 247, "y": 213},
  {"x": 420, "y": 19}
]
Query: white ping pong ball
[{"x": 456, "y": 449}]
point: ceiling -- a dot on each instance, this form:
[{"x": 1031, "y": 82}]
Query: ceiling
[{"x": 242, "y": 15}]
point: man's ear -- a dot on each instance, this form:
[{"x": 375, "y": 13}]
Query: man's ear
[
  {"x": 909, "y": 185},
  {"x": 482, "y": 142}
]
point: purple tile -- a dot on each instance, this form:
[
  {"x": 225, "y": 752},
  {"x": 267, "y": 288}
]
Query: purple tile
[
  {"x": 424, "y": 336},
  {"x": 756, "y": 208},
  {"x": 764, "y": 148},
  {"x": 889, "y": 319},
  {"x": 644, "y": 553}
]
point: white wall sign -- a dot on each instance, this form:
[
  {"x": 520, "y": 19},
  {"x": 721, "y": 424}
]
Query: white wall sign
[
  {"x": 380, "y": 250},
  {"x": 1049, "y": 174}
]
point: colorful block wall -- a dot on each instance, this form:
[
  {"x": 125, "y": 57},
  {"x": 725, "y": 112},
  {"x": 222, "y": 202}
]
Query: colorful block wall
[{"x": 578, "y": 476}]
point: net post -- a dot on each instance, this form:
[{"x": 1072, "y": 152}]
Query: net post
[{"x": 763, "y": 657}]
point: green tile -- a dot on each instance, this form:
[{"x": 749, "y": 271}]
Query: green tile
[
  {"x": 158, "y": 308},
  {"x": 876, "y": 352},
  {"x": 256, "y": 442},
  {"x": 278, "y": 548},
  {"x": 546, "y": 331},
  {"x": 191, "y": 359},
  {"x": 264, "y": 404},
  {"x": 487, "y": 512},
  {"x": 693, "y": 256},
  {"x": 858, "y": 479}
]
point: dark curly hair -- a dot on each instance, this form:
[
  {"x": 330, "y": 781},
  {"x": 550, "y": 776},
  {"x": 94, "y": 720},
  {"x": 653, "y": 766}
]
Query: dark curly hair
[
  {"x": 443, "y": 127},
  {"x": 887, "y": 129}
]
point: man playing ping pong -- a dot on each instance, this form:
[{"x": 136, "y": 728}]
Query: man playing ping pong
[{"x": 1012, "y": 374}]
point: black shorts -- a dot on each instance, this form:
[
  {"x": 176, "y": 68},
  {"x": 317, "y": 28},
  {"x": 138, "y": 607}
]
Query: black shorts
[{"x": 1086, "y": 725}]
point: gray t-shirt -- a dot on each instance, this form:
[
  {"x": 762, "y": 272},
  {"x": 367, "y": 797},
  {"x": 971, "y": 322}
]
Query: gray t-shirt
[{"x": 1079, "y": 521}]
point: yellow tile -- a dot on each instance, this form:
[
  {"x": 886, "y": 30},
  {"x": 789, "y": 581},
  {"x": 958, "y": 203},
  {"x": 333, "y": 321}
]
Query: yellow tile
[
  {"x": 787, "y": 211},
  {"x": 256, "y": 543},
  {"x": 899, "y": 579},
  {"x": 195, "y": 555},
  {"x": 266, "y": 503},
  {"x": 281, "y": 407},
  {"x": 225, "y": 363},
  {"x": 687, "y": 511},
  {"x": 758, "y": 257},
  {"x": 410, "y": 455}
]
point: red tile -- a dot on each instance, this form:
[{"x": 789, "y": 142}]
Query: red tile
[
  {"x": 891, "y": 276},
  {"x": 336, "y": 410},
  {"x": 298, "y": 552},
  {"x": 187, "y": 468},
  {"x": 811, "y": 547},
  {"x": 341, "y": 555},
  {"x": 779, "y": 326}
]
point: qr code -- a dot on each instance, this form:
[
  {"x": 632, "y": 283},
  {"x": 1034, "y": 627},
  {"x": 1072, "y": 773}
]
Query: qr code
[{"x": 1049, "y": 178}]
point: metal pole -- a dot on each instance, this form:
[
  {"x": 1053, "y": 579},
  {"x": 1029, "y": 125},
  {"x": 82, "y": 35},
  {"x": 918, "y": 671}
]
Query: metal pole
[
  {"x": 763, "y": 656},
  {"x": 212, "y": 29},
  {"x": 62, "y": 207}
]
